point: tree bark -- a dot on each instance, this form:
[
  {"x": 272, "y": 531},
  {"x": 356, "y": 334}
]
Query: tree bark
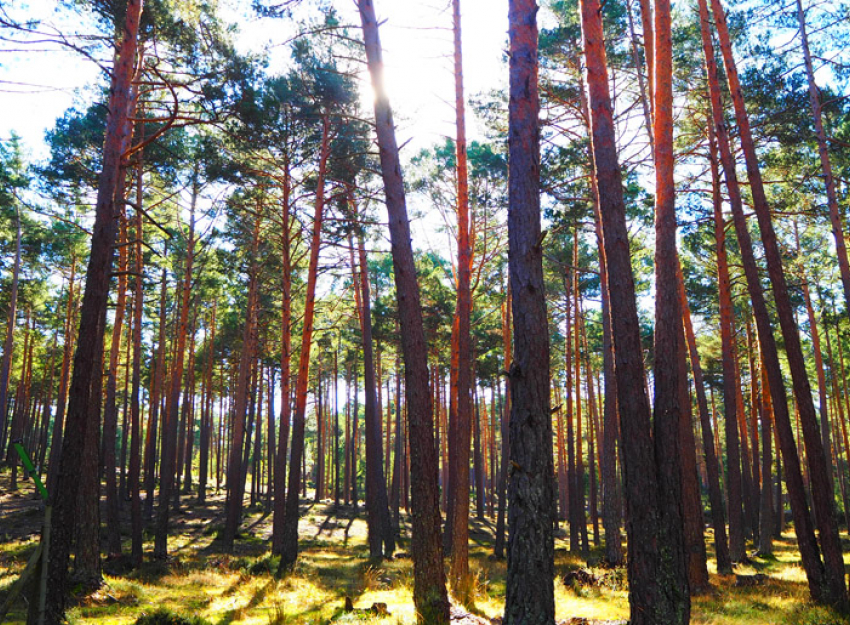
[
  {"x": 84, "y": 405},
  {"x": 647, "y": 599},
  {"x": 168, "y": 466},
  {"x": 429, "y": 588},
  {"x": 835, "y": 588},
  {"x": 529, "y": 596},
  {"x": 667, "y": 406},
  {"x": 289, "y": 545}
]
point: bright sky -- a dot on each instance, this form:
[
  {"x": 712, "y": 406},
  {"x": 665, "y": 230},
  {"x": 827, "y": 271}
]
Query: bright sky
[{"x": 37, "y": 85}]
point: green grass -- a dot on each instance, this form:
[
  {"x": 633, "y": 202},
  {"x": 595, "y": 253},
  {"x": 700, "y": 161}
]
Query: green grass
[{"x": 221, "y": 588}]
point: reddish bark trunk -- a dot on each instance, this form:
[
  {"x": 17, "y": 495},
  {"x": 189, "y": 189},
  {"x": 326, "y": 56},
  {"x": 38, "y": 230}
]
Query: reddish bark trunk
[{"x": 84, "y": 405}]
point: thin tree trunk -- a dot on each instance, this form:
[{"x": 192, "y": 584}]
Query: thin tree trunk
[
  {"x": 499, "y": 547},
  {"x": 285, "y": 364},
  {"x": 9, "y": 343},
  {"x": 168, "y": 466},
  {"x": 377, "y": 505},
  {"x": 236, "y": 466},
  {"x": 156, "y": 391},
  {"x": 835, "y": 214},
  {"x": 289, "y": 545},
  {"x": 67, "y": 355},
  {"x": 715, "y": 493},
  {"x": 459, "y": 576},
  {"x": 134, "y": 477}
]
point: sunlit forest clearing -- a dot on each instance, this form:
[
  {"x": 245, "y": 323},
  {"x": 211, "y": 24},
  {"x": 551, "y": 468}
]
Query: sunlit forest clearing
[
  {"x": 201, "y": 580},
  {"x": 470, "y": 312}
]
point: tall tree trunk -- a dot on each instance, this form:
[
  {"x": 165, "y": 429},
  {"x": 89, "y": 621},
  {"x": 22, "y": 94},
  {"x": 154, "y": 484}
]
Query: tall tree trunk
[
  {"x": 647, "y": 598},
  {"x": 667, "y": 406},
  {"x": 429, "y": 588},
  {"x": 84, "y": 403},
  {"x": 236, "y": 462},
  {"x": 157, "y": 379},
  {"x": 168, "y": 466},
  {"x": 715, "y": 494},
  {"x": 289, "y": 546},
  {"x": 134, "y": 477},
  {"x": 611, "y": 502},
  {"x": 835, "y": 590},
  {"x": 529, "y": 596},
  {"x": 377, "y": 505},
  {"x": 499, "y": 547},
  {"x": 110, "y": 417},
  {"x": 765, "y": 545},
  {"x": 285, "y": 360},
  {"x": 459, "y": 576},
  {"x": 809, "y": 552},
  {"x": 9, "y": 343},
  {"x": 206, "y": 416},
  {"x": 67, "y": 355}
]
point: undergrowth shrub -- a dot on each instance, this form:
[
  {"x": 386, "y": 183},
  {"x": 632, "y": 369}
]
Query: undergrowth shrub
[{"x": 167, "y": 617}]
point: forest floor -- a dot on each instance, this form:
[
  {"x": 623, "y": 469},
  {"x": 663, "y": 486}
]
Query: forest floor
[{"x": 240, "y": 587}]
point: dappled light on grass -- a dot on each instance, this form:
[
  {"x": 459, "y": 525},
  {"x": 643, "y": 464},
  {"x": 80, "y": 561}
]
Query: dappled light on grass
[{"x": 240, "y": 587}]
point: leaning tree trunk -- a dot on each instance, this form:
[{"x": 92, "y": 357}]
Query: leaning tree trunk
[
  {"x": 529, "y": 595},
  {"x": 809, "y": 552},
  {"x": 835, "y": 215},
  {"x": 429, "y": 587},
  {"x": 84, "y": 408},
  {"x": 835, "y": 587},
  {"x": 647, "y": 598}
]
